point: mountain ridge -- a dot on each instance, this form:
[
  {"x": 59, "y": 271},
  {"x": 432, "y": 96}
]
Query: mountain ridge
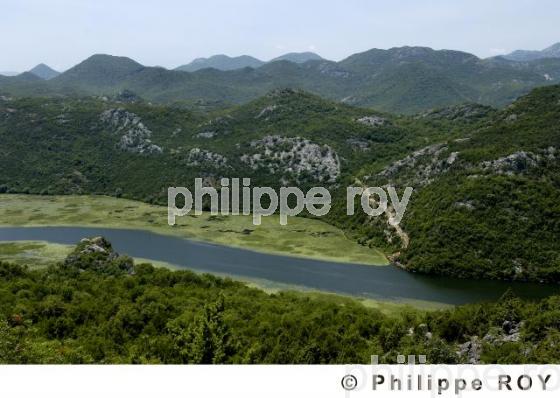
[
  {"x": 226, "y": 63},
  {"x": 298, "y": 58},
  {"x": 221, "y": 62},
  {"x": 401, "y": 79},
  {"x": 552, "y": 51}
]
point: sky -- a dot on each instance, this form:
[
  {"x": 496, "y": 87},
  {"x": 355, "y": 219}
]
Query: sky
[{"x": 169, "y": 33}]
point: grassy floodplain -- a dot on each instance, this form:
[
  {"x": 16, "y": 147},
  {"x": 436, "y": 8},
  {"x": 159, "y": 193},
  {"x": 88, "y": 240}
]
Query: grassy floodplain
[
  {"x": 33, "y": 254},
  {"x": 302, "y": 237}
]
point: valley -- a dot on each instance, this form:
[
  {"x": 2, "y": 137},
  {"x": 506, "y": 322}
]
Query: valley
[
  {"x": 280, "y": 198},
  {"x": 90, "y": 271}
]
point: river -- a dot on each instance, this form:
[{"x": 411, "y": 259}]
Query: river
[{"x": 375, "y": 282}]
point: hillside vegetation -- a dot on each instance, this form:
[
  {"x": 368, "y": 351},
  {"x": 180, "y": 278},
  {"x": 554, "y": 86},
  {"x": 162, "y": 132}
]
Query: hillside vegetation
[
  {"x": 493, "y": 211},
  {"x": 485, "y": 180},
  {"x": 99, "y": 307}
]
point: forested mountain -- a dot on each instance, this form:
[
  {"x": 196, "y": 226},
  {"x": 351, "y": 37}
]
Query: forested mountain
[
  {"x": 486, "y": 201},
  {"x": 98, "y": 72},
  {"x": 485, "y": 180},
  {"x": 402, "y": 80}
]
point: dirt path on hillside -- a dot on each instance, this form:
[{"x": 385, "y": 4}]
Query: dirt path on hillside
[{"x": 390, "y": 215}]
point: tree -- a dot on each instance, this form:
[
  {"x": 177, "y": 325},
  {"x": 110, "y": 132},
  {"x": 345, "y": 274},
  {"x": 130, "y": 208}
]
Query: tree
[{"x": 209, "y": 336}]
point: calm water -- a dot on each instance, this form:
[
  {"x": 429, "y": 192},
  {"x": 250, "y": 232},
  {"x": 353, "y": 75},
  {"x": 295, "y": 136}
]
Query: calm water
[{"x": 361, "y": 280}]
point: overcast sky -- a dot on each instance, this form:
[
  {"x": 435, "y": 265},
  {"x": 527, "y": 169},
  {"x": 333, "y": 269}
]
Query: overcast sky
[{"x": 169, "y": 33}]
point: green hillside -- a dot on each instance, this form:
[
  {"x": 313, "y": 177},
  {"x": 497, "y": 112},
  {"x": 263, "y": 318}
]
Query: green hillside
[
  {"x": 485, "y": 203},
  {"x": 485, "y": 181},
  {"x": 49, "y": 143}
]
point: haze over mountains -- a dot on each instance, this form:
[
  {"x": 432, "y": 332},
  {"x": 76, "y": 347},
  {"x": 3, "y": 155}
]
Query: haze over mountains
[
  {"x": 404, "y": 79},
  {"x": 44, "y": 72},
  {"x": 224, "y": 62},
  {"x": 531, "y": 55},
  {"x": 298, "y": 58}
]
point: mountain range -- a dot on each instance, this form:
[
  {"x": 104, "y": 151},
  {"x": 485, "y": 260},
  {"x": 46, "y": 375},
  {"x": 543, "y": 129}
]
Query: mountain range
[
  {"x": 531, "y": 55},
  {"x": 404, "y": 79},
  {"x": 224, "y": 62}
]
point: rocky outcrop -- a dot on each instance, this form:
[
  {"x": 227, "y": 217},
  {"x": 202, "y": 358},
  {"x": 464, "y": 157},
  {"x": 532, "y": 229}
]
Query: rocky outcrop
[
  {"x": 201, "y": 157},
  {"x": 421, "y": 166},
  {"x": 293, "y": 156},
  {"x": 97, "y": 254},
  {"x": 512, "y": 330},
  {"x": 134, "y": 135},
  {"x": 516, "y": 163},
  {"x": 372, "y": 121},
  {"x": 472, "y": 350}
]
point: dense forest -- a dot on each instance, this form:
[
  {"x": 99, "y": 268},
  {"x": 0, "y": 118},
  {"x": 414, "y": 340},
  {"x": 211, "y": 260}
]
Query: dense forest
[{"x": 99, "y": 307}]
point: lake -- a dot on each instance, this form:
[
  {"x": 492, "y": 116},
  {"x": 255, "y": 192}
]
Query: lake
[{"x": 375, "y": 282}]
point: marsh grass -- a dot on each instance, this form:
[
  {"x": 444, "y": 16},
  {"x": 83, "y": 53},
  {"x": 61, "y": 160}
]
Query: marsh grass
[
  {"x": 302, "y": 237},
  {"x": 34, "y": 254}
]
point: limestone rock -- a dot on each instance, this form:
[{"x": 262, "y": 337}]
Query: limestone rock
[
  {"x": 199, "y": 157},
  {"x": 372, "y": 121},
  {"x": 294, "y": 156},
  {"x": 135, "y": 136},
  {"x": 97, "y": 254}
]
